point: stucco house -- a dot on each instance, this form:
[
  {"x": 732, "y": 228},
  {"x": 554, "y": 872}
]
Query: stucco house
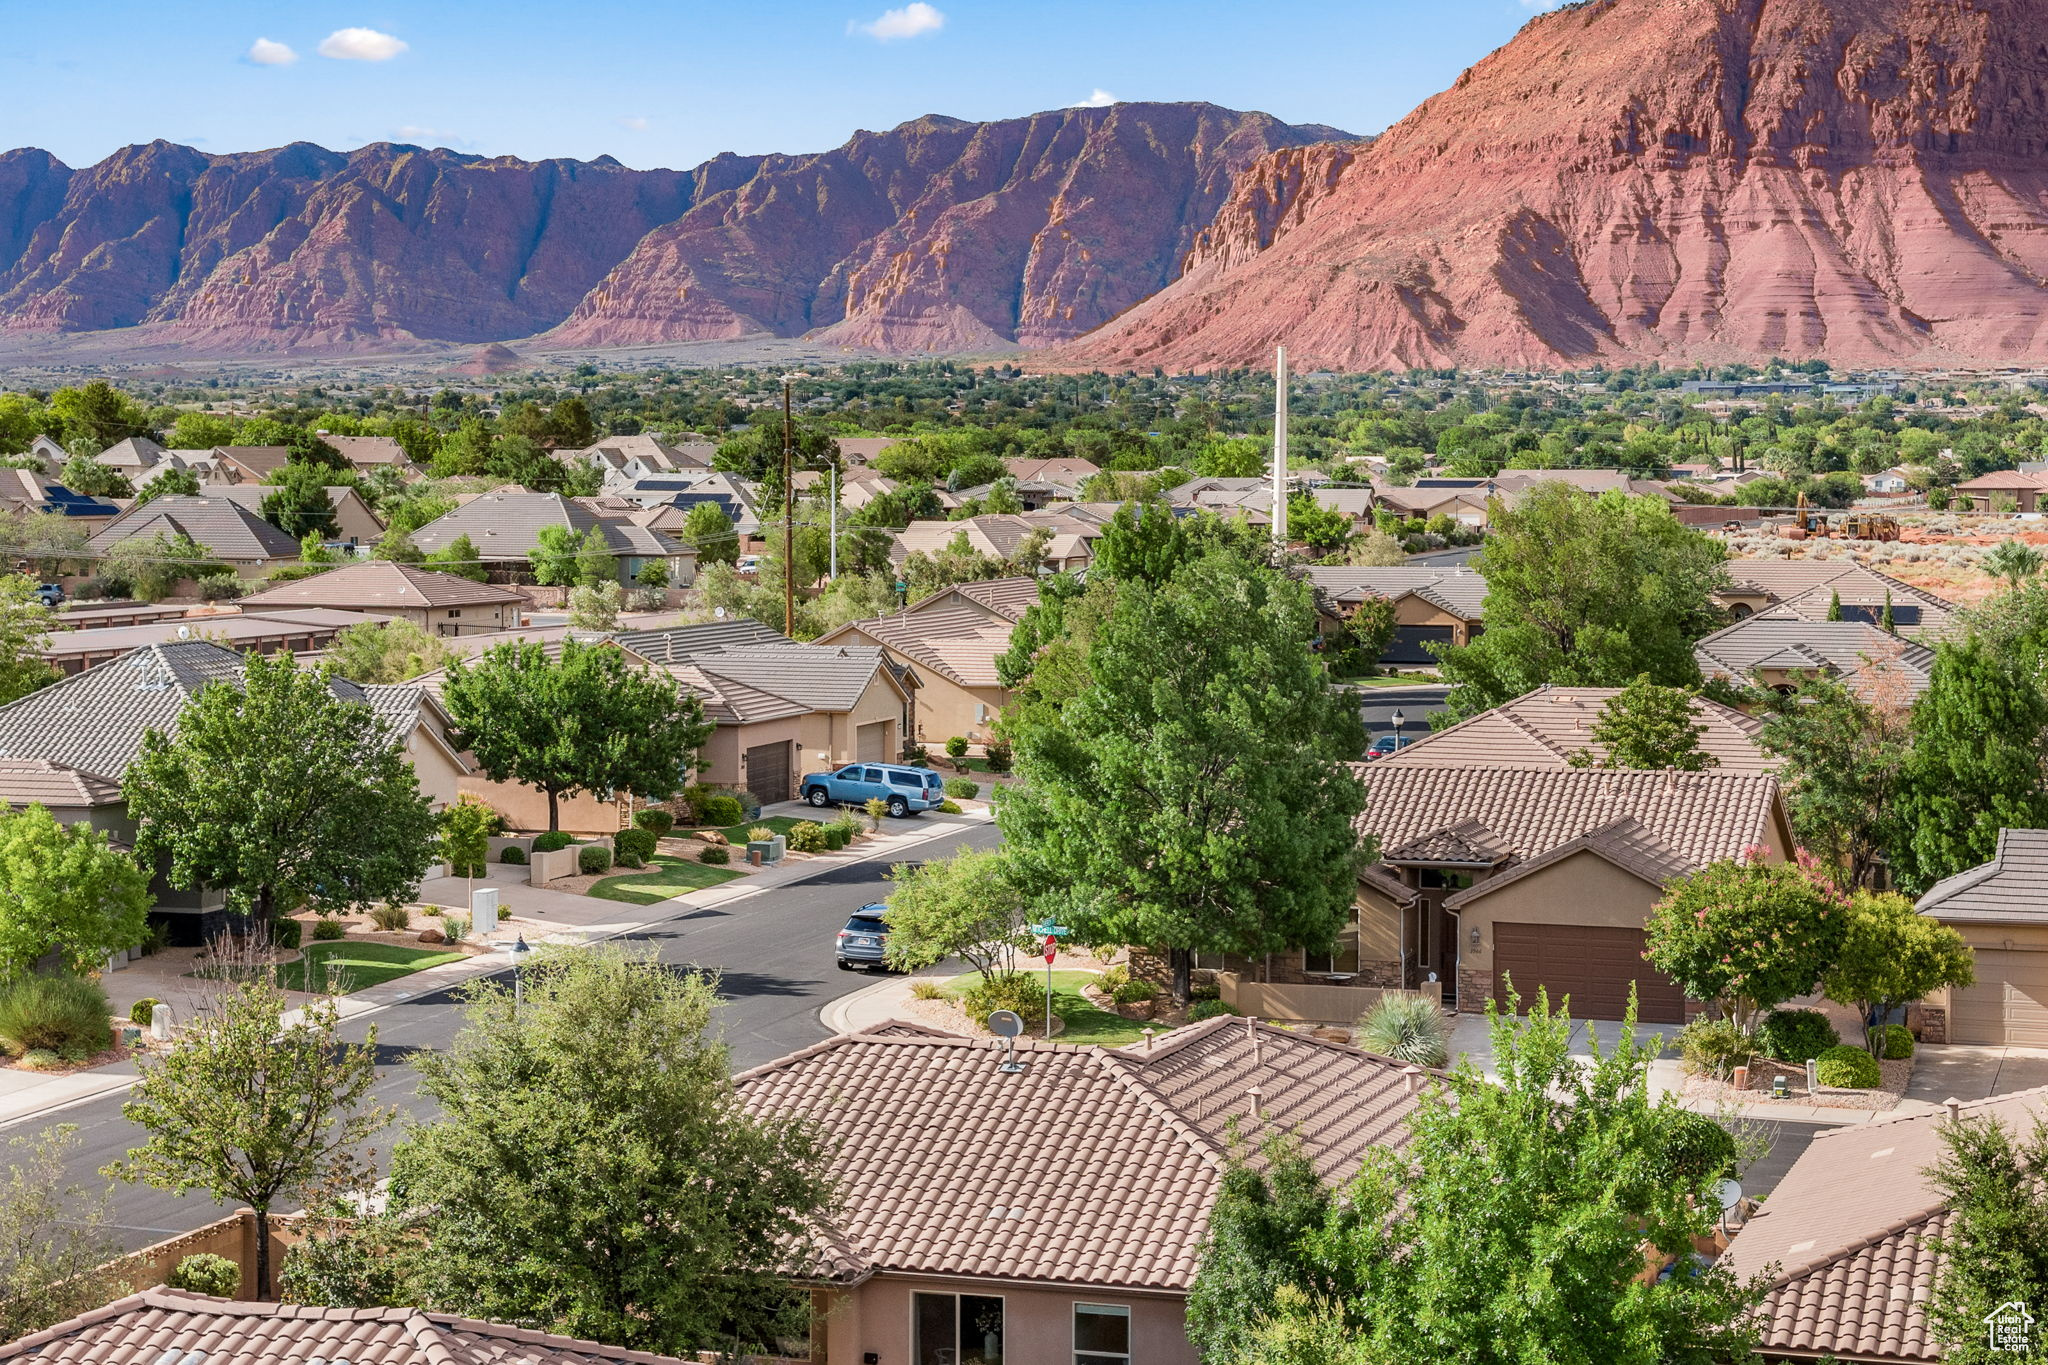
[
  {"x": 354, "y": 522},
  {"x": 1550, "y": 726},
  {"x": 236, "y": 536},
  {"x": 1432, "y": 606},
  {"x": 506, "y": 527},
  {"x": 951, "y": 639},
  {"x": 438, "y": 603},
  {"x": 1782, "y": 651},
  {"x": 1808, "y": 588},
  {"x": 2001, "y": 910},
  {"x": 2023, "y": 490}
]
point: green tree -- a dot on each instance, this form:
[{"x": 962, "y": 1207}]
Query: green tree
[
  {"x": 1891, "y": 955},
  {"x": 517, "y": 459},
  {"x": 1197, "y": 792},
  {"x": 585, "y": 721},
  {"x": 86, "y": 475},
  {"x": 56, "y": 1238},
  {"x": 1586, "y": 592},
  {"x": 1747, "y": 935},
  {"x": 1840, "y": 757},
  {"x": 181, "y": 483},
  {"x": 252, "y": 1108},
  {"x": 595, "y": 608},
  {"x": 282, "y": 793},
  {"x": 466, "y": 830},
  {"x": 298, "y": 503},
  {"x": 1995, "y": 1251},
  {"x": 1835, "y": 605},
  {"x": 1259, "y": 1258},
  {"x": 391, "y": 651},
  {"x": 2013, "y": 560},
  {"x": 1325, "y": 530},
  {"x": 1974, "y": 768},
  {"x": 153, "y": 566},
  {"x": 1647, "y": 726},
  {"x": 459, "y": 557},
  {"x": 562, "y": 558},
  {"x": 200, "y": 431},
  {"x": 24, "y": 631},
  {"x": 965, "y": 906},
  {"x": 98, "y": 412},
  {"x": 397, "y": 547},
  {"x": 709, "y": 529},
  {"x": 65, "y": 891}
]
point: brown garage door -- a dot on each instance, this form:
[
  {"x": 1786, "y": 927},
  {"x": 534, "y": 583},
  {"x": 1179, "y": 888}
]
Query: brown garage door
[
  {"x": 768, "y": 772},
  {"x": 1591, "y": 965},
  {"x": 871, "y": 743},
  {"x": 2009, "y": 1003}
]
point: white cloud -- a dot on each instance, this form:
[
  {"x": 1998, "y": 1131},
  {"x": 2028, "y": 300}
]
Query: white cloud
[
  {"x": 439, "y": 137},
  {"x": 912, "y": 20},
  {"x": 637, "y": 122},
  {"x": 1097, "y": 99},
  {"x": 264, "y": 52},
  {"x": 360, "y": 45}
]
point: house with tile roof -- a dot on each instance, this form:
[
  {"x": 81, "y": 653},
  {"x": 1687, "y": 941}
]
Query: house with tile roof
[
  {"x": 1851, "y": 1237},
  {"x": 1551, "y": 726},
  {"x": 164, "y": 1324},
  {"x": 250, "y": 464},
  {"x": 1781, "y": 651},
  {"x": 1806, "y": 589},
  {"x": 438, "y": 603},
  {"x": 354, "y": 522},
  {"x": 2001, "y": 910},
  {"x": 1012, "y": 1214},
  {"x": 2023, "y": 490},
  {"x": 1072, "y": 531},
  {"x": 858, "y": 704},
  {"x": 303, "y": 630},
  {"x": 236, "y": 536},
  {"x": 366, "y": 454},
  {"x": 1442, "y": 606},
  {"x": 505, "y": 527},
  {"x": 951, "y": 639}
]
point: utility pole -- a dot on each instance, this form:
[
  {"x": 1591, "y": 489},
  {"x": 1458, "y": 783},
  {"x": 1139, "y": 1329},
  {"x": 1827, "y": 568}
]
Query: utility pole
[
  {"x": 1280, "y": 448},
  {"x": 788, "y": 517},
  {"x": 833, "y": 514}
]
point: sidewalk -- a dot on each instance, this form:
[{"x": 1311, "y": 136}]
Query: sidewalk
[{"x": 31, "y": 1094}]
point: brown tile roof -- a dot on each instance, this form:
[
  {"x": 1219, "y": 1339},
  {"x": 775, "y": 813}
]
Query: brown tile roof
[
  {"x": 379, "y": 583},
  {"x": 2010, "y": 889},
  {"x": 367, "y": 450},
  {"x": 1544, "y": 728},
  {"x": 257, "y": 462},
  {"x": 1858, "y": 652},
  {"x": 1459, "y": 591},
  {"x": 38, "y": 780},
  {"x": 1006, "y": 597},
  {"x": 1625, "y": 843},
  {"x": 505, "y": 526},
  {"x": 1468, "y": 841},
  {"x": 960, "y": 643},
  {"x": 161, "y": 1323},
  {"x": 1848, "y": 1230},
  {"x": 727, "y": 701},
  {"x": 1092, "y": 1167}
]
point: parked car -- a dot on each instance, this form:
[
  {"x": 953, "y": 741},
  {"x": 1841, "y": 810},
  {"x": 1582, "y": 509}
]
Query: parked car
[
  {"x": 50, "y": 594},
  {"x": 864, "y": 939},
  {"x": 1387, "y": 744},
  {"x": 904, "y": 789},
  {"x": 747, "y": 566}
]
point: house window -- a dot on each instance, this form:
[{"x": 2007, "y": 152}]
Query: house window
[
  {"x": 1102, "y": 1334},
  {"x": 1436, "y": 879},
  {"x": 454, "y": 612},
  {"x": 956, "y": 1329},
  {"x": 1342, "y": 957}
]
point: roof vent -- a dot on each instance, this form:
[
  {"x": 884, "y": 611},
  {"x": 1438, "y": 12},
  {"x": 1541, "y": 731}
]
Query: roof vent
[
  {"x": 1411, "y": 1079},
  {"x": 1258, "y": 1099}
]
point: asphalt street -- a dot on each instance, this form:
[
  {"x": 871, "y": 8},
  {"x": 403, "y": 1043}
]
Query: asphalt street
[
  {"x": 774, "y": 953},
  {"x": 1376, "y": 705}
]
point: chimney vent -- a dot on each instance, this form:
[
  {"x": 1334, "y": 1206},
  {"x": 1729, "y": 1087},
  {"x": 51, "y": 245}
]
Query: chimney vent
[
  {"x": 1411, "y": 1079},
  {"x": 1257, "y": 1097},
  {"x": 1148, "y": 1038}
]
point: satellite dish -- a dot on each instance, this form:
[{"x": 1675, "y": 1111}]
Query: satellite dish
[
  {"x": 719, "y": 612},
  {"x": 1006, "y": 1024},
  {"x": 1731, "y": 1194}
]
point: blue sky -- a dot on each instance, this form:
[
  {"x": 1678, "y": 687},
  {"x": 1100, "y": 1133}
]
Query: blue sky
[{"x": 670, "y": 84}]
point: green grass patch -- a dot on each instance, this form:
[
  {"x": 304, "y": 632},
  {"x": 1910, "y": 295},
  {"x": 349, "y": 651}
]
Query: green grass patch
[
  {"x": 781, "y": 824},
  {"x": 664, "y": 878},
  {"x": 343, "y": 966},
  {"x": 1381, "y": 680},
  {"x": 1085, "y": 1023}
]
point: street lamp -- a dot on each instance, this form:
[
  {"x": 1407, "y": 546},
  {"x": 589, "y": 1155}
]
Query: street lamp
[
  {"x": 519, "y": 952},
  {"x": 1399, "y": 720}
]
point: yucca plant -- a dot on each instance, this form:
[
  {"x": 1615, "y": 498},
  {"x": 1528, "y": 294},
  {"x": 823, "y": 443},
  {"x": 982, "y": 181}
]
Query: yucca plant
[{"x": 1408, "y": 1028}]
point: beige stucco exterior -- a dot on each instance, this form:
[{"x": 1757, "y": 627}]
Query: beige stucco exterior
[
  {"x": 2009, "y": 956},
  {"x": 832, "y": 733},
  {"x": 478, "y": 618},
  {"x": 944, "y": 708},
  {"x": 1582, "y": 889},
  {"x": 526, "y": 807},
  {"x": 874, "y": 1319},
  {"x": 440, "y": 774},
  {"x": 720, "y": 758}
]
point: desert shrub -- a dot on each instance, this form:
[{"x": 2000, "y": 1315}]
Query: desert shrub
[
  {"x": 956, "y": 747},
  {"x": 1713, "y": 1047},
  {"x": 455, "y": 926},
  {"x": 924, "y": 988},
  {"x": 1849, "y": 1068},
  {"x": 949, "y": 807},
  {"x": 715, "y": 854},
  {"x": 1408, "y": 1028},
  {"x": 41, "y": 1059},
  {"x": 1795, "y": 1035},
  {"x": 513, "y": 854},
  {"x": 143, "y": 1010},
  {"x": 1112, "y": 977},
  {"x": 997, "y": 752},
  {"x": 593, "y": 858},
  {"x": 1696, "y": 1148},
  {"x": 391, "y": 917},
  {"x": 1207, "y": 1009},
  {"x": 807, "y": 836},
  {"x": 917, "y": 756},
  {"x": 286, "y": 932},
  {"x": 1019, "y": 991},
  {"x": 106, "y": 587},
  {"x": 550, "y": 842},
  {"x": 219, "y": 587},
  {"x": 1898, "y": 1042},
  {"x": 654, "y": 820},
  {"x": 723, "y": 812},
  {"x": 206, "y": 1273},
  {"x": 760, "y": 834},
  {"x": 849, "y": 822},
  {"x": 53, "y": 1014},
  {"x": 634, "y": 846},
  {"x": 962, "y": 788},
  {"x": 326, "y": 929},
  {"x": 1132, "y": 992}
]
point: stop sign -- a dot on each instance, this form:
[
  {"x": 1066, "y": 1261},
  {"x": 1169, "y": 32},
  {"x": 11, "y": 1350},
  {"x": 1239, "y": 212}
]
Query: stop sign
[{"x": 1052, "y": 947}]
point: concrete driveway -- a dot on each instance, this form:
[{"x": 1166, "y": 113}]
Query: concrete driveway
[
  {"x": 1968, "y": 1071},
  {"x": 1469, "y": 1038}
]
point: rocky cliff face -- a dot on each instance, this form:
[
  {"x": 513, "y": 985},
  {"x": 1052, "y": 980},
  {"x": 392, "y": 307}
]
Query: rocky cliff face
[
  {"x": 937, "y": 235},
  {"x": 1865, "y": 180}
]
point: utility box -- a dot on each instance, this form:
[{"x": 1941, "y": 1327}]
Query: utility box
[{"x": 483, "y": 911}]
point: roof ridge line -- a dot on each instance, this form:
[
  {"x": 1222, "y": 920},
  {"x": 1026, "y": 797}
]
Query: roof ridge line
[{"x": 1151, "y": 1098}]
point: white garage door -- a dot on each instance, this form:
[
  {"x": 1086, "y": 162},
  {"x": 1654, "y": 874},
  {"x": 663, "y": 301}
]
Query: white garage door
[
  {"x": 2009, "y": 1003},
  {"x": 871, "y": 743}
]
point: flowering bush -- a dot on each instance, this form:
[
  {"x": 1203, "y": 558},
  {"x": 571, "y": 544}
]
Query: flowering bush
[{"x": 1749, "y": 935}]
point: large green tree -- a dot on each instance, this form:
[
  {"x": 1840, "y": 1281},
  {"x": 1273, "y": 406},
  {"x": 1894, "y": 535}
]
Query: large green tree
[
  {"x": 65, "y": 891},
  {"x": 1840, "y": 757},
  {"x": 1891, "y": 955},
  {"x": 1995, "y": 1251},
  {"x": 1586, "y": 591},
  {"x": 586, "y": 720},
  {"x": 298, "y": 503},
  {"x": 1648, "y": 726},
  {"x": 282, "y": 793},
  {"x": 1196, "y": 793},
  {"x": 56, "y": 1238},
  {"x": 710, "y": 532},
  {"x": 24, "y": 630},
  {"x": 1748, "y": 935},
  {"x": 966, "y": 906}
]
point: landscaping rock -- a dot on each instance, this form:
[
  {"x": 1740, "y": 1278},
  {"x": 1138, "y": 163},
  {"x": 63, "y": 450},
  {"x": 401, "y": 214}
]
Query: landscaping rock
[
  {"x": 433, "y": 936},
  {"x": 711, "y": 836}
]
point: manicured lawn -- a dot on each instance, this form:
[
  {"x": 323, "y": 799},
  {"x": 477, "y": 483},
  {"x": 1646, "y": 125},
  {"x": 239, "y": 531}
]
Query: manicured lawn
[
  {"x": 1383, "y": 681},
  {"x": 1084, "y": 1022},
  {"x": 343, "y": 966},
  {"x": 665, "y": 877},
  {"x": 781, "y": 824}
]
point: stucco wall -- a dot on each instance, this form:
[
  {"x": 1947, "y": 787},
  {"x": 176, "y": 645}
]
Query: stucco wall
[
  {"x": 526, "y": 807},
  {"x": 1582, "y": 889},
  {"x": 1038, "y": 1323},
  {"x": 720, "y": 759},
  {"x": 945, "y": 709},
  {"x": 832, "y": 732}
]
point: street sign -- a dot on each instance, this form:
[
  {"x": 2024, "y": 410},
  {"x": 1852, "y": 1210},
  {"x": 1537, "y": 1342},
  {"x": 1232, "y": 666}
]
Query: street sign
[
  {"x": 1049, "y": 928},
  {"x": 1052, "y": 948}
]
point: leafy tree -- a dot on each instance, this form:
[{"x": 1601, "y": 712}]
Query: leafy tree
[
  {"x": 252, "y": 1108},
  {"x": 66, "y": 892},
  {"x": 298, "y": 504},
  {"x": 86, "y": 475},
  {"x": 1840, "y": 757},
  {"x": 1587, "y": 592},
  {"x": 24, "y": 631},
  {"x": 466, "y": 830},
  {"x": 709, "y": 529},
  {"x": 958, "y": 562},
  {"x": 459, "y": 557},
  {"x": 1995, "y": 1251},
  {"x": 965, "y": 906},
  {"x": 1375, "y": 550},
  {"x": 1974, "y": 768},
  {"x": 1747, "y": 935},
  {"x": 397, "y": 547},
  {"x": 390, "y": 651},
  {"x": 1259, "y": 1259},
  {"x": 308, "y": 449},
  {"x": 1891, "y": 955},
  {"x": 171, "y": 483},
  {"x": 604, "y": 1091},
  {"x": 282, "y": 793},
  {"x": 570, "y": 425},
  {"x": 200, "y": 431},
  {"x": 586, "y": 721},
  {"x": 1369, "y": 627},
  {"x": 56, "y": 1240},
  {"x": 409, "y": 511},
  {"x": 1647, "y": 726},
  {"x": 1835, "y": 605},
  {"x": 516, "y": 459},
  {"x": 2013, "y": 560},
  {"x": 1196, "y": 792},
  {"x": 561, "y": 558},
  {"x": 98, "y": 412},
  {"x": 596, "y": 608},
  {"x": 153, "y": 566},
  {"x": 1325, "y": 530}
]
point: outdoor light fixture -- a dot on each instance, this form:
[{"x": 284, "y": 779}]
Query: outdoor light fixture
[
  {"x": 1475, "y": 936},
  {"x": 519, "y": 952}
]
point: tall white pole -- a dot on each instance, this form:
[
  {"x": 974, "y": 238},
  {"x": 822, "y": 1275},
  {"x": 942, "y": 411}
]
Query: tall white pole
[
  {"x": 833, "y": 475},
  {"x": 1280, "y": 445}
]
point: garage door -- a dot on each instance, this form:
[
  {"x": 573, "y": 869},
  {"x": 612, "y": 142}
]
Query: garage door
[
  {"x": 1410, "y": 644},
  {"x": 1591, "y": 965},
  {"x": 871, "y": 743},
  {"x": 768, "y": 772},
  {"x": 2009, "y": 1003}
]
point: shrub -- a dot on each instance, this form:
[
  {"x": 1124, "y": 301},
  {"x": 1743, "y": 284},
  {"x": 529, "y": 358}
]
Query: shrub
[
  {"x": 286, "y": 932},
  {"x": 106, "y": 587},
  {"x": 1131, "y": 992},
  {"x": 1696, "y": 1148},
  {"x": 760, "y": 834},
  {"x": 219, "y": 587},
  {"x": 327, "y": 929},
  {"x": 924, "y": 988},
  {"x": 513, "y": 854},
  {"x": 1019, "y": 991},
  {"x": 962, "y": 788},
  {"x": 1898, "y": 1042},
  {"x": 466, "y": 869},
  {"x": 41, "y": 1059},
  {"x": 593, "y": 858},
  {"x": 552, "y": 841},
  {"x": 143, "y": 1010},
  {"x": 1207, "y": 1009},
  {"x": 1407, "y": 1028},
  {"x": 455, "y": 926},
  {"x": 949, "y": 807},
  {"x": 1795, "y": 1035},
  {"x": 807, "y": 836},
  {"x": 956, "y": 747},
  {"x": 1713, "y": 1047},
  {"x": 1112, "y": 977},
  {"x": 917, "y": 756},
  {"x": 1849, "y": 1068},
  {"x": 997, "y": 752},
  {"x": 876, "y": 808},
  {"x": 723, "y": 812},
  {"x": 392, "y": 917},
  {"x": 634, "y": 846},
  {"x": 835, "y": 837},
  {"x": 849, "y": 822},
  {"x": 53, "y": 1013},
  {"x": 206, "y": 1273},
  {"x": 716, "y": 854},
  {"x": 654, "y": 820}
]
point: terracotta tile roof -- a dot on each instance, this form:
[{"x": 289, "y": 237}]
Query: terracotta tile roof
[
  {"x": 257, "y": 462},
  {"x": 1848, "y": 1228},
  {"x": 367, "y": 450},
  {"x": 1544, "y": 728},
  {"x": 505, "y": 526},
  {"x": 1858, "y": 652},
  {"x": 1806, "y": 587},
  {"x": 1459, "y": 591},
  {"x": 960, "y": 643},
  {"x": 1625, "y": 843},
  {"x": 224, "y": 527},
  {"x": 145, "y": 1328},
  {"x": 38, "y": 780},
  {"x": 2010, "y": 889},
  {"x": 1006, "y": 597},
  {"x": 379, "y": 583},
  {"x": 674, "y": 644},
  {"x": 1468, "y": 841},
  {"x": 821, "y": 677},
  {"x": 1093, "y": 1166}
]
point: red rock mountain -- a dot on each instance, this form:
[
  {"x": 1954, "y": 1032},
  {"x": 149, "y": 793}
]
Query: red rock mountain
[
  {"x": 936, "y": 235},
  {"x": 1864, "y": 180}
]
